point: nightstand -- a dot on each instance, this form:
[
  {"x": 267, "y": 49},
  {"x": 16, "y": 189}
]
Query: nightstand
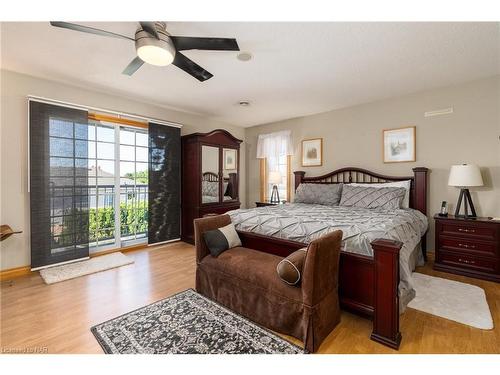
[
  {"x": 469, "y": 247},
  {"x": 267, "y": 203}
]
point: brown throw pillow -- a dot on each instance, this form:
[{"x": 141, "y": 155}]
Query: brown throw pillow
[{"x": 290, "y": 268}]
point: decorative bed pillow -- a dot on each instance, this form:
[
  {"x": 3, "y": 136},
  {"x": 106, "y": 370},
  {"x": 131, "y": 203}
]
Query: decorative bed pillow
[
  {"x": 405, "y": 184},
  {"x": 372, "y": 197},
  {"x": 326, "y": 194},
  {"x": 290, "y": 269},
  {"x": 210, "y": 188},
  {"x": 221, "y": 239}
]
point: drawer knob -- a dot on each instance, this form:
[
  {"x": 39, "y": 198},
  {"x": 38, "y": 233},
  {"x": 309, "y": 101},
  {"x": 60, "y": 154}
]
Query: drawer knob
[
  {"x": 467, "y": 246},
  {"x": 466, "y": 261},
  {"x": 466, "y": 230}
]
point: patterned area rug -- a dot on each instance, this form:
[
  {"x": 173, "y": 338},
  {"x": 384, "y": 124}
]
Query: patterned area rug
[{"x": 187, "y": 323}]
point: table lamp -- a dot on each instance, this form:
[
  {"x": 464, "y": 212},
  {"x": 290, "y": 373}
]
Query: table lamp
[
  {"x": 464, "y": 176},
  {"x": 275, "y": 178}
]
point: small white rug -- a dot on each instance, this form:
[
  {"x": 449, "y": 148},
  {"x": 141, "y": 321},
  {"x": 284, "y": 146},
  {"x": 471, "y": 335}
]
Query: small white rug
[
  {"x": 85, "y": 267},
  {"x": 460, "y": 302}
]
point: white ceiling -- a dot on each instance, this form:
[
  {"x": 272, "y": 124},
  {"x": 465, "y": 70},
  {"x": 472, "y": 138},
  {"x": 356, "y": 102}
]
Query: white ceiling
[{"x": 297, "y": 69}]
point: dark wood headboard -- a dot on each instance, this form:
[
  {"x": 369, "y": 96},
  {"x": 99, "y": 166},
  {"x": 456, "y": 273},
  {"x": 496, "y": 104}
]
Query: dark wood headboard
[
  {"x": 210, "y": 176},
  {"x": 418, "y": 189}
]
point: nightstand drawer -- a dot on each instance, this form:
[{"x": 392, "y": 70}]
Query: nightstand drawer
[
  {"x": 468, "y": 262},
  {"x": 465, "y": 230},
  {"x": 467, "y": 245}
]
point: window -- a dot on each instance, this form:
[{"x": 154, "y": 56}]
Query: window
[
  {"x": 68, "y": 202},
  {"x": 282, "y": 165},
  {"x": 101, "y": 183},
  {"x": 118, "y": 183},
  {"x": 133, "y": 184},
  {"x": 275, "y": 151}
]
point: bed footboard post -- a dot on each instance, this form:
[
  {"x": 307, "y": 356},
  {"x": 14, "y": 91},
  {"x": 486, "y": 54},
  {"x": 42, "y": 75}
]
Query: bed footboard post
[
  {"x": 299, "y": 175},
  {"x": 420, "y": 198},
  {"x": 386, "y": 298}
]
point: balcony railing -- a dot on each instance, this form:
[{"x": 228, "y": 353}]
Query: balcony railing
[{"x": 69, "y": 202}]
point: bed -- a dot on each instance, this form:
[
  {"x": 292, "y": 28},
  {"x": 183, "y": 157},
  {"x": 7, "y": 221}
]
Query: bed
[
  {"x": 302, "y": 222},
  {"x": 380, "y": 247}
]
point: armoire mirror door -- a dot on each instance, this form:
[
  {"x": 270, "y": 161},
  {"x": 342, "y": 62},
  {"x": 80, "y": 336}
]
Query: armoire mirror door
[
  {"x": 210, "y": 184},
  {"x": 230, "y": 174}
]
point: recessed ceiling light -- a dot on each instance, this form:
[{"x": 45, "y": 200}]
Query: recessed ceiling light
[
  {"x": 244, "y": 56},
  {"x": 244, "y": 103}
]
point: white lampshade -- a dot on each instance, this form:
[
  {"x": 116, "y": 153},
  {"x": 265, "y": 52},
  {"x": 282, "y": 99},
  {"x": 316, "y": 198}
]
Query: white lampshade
[
  {"x": 465, "y": 175},
  {"x": 274, "y": 178}
]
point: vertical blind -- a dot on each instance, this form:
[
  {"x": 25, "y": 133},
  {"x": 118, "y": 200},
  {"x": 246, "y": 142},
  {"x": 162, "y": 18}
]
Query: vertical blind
[
  {"x": 164, "y": 183},
  {"x": 58, "y": 184}
]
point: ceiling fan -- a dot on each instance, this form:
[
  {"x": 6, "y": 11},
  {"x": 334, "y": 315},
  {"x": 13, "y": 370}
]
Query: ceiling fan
[{"x": 154, "y": 45}]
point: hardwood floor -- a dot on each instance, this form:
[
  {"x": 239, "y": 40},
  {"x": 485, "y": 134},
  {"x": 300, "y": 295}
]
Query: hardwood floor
[{"x": 57, "y": 318}]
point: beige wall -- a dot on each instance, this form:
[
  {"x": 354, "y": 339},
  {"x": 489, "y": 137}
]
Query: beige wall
[
  {"x": 353, "y": 137},
  {"x": 14, "y": 201}
]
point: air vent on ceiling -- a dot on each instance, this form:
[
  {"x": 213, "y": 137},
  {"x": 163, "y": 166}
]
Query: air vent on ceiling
[{"x": 439, "y": 112}]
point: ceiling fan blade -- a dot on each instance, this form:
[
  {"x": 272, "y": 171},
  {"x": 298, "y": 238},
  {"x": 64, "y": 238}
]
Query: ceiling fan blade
[
  {"x": 89, "y": 30},
  {"x": 183, "y": 43},
  {"x": 190, "y": 67},
  {"x": 133, "y": 66},
  {"x": 150, "y": 28}
]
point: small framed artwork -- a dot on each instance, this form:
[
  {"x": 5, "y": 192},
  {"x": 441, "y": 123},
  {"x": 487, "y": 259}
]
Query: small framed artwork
[
  {"x": 399, "y": 145},
  {"x": 229, "y": 159},
  {"x": 312, "y": 152}
]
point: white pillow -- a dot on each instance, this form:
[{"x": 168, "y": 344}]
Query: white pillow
[{"x": 406, "y": 184}]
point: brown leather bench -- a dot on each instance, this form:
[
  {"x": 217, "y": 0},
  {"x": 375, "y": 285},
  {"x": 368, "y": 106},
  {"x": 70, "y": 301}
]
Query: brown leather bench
[{"x": 245, "y": 280}]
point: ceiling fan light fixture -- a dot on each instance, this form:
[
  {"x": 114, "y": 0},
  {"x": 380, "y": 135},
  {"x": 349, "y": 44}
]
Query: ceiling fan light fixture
[
  {"x": 155, "y": 55},
  {"x": 154, "y": 45},
  {"x": 159, "y": 52}
]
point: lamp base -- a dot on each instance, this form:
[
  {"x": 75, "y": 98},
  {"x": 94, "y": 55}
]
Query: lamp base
[
  {"x": 465, "y": 196},
  {"x": 275, "y": 195}
]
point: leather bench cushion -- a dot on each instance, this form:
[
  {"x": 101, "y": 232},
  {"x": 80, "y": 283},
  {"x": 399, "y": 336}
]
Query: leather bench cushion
[{"x": 254, "y": 267}]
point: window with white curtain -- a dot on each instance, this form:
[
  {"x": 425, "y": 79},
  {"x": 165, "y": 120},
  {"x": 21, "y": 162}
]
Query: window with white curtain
[{"x": 274, "y": 150}]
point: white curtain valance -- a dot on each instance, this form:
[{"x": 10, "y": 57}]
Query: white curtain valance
[{"x": 276, "y": 144}]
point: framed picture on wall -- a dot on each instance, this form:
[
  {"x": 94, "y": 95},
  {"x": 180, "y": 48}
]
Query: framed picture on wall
[
  {"x": 312, "y": 152},
  {"x": 229, "y": 159},
  {"x": 399, "y": 145}
]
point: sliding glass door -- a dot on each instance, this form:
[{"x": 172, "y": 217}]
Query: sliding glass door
[
  {"x": 118, "y": 185},
  {"x": 133, "y": 185},
  {"x": 99, "y": 182}
]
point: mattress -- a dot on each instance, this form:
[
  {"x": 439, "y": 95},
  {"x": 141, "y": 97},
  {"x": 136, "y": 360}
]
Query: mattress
[{"x": 360, "y": 226}]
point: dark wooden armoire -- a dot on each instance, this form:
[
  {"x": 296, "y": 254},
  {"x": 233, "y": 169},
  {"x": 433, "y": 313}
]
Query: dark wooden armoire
[{"x": 210, "y": 176}]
